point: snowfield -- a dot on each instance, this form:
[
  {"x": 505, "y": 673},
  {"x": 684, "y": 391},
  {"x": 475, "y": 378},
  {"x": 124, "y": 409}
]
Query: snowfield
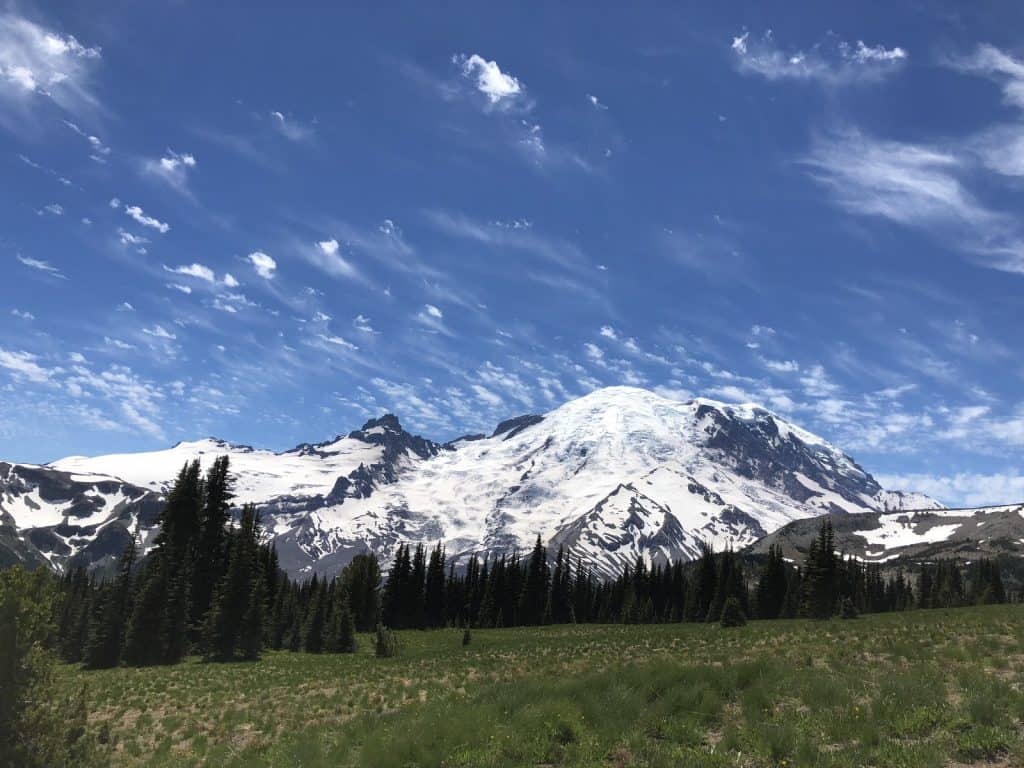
[{"x": 613, "y": 475}]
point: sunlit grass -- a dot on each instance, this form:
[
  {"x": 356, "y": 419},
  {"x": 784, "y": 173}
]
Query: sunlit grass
[{"x": 917, "y": 689}]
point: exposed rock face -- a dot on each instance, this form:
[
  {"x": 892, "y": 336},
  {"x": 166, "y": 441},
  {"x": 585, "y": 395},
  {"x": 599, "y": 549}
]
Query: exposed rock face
[
  {"x": 59, "y": 518},
  {"x": 926, "y": 534},
  {"x": 616, "y": 474}
]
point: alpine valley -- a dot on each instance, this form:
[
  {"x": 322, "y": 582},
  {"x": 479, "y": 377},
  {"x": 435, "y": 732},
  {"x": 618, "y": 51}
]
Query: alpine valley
[{"x": 618, "y": 473}]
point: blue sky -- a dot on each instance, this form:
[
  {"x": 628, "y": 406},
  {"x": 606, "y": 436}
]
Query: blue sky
[{"x": 270, "y": 224}]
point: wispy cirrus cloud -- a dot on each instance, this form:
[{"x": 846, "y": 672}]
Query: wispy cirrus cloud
[
  {"x": 42, "y": 266},
  {"x": 38, "y": 65},
  {"x": 832, "y": 61},
  {"x": 326, "y": 255},
  {"x": 907, "y": 183},
  {"x": 98, "y": 151},
  {"x": 291, "y": 128},
  {"x": 919, "y": 186}
]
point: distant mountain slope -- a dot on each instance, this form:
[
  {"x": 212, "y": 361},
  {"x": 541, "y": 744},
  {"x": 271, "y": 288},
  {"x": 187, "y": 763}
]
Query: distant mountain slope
[
  {"x": 911, "y": 535},
  {"x": 615, "y": 474}
]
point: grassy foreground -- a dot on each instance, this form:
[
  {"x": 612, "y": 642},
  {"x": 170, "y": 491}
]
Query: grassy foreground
[{"x": 926, "y": 688}]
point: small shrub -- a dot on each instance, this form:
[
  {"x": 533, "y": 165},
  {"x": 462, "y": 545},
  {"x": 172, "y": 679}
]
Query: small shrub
[
  {"x": 732, "y": 614},
  {"x": 386, "y": 643},
  {"x": 466, "y": 637},
  {"x": 848, "y": 610}
]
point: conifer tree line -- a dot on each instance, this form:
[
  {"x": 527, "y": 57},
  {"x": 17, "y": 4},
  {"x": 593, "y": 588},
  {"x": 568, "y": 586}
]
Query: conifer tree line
[
  {"x": 210, "y": 587},
  {"x": 202, "y": 588}
]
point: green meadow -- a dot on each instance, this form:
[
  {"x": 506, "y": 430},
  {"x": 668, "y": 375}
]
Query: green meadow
[{"x": 919, "y": 688}]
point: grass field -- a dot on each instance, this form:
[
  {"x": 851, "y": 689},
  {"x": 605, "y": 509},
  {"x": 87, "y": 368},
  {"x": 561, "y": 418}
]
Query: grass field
[{"x": 926, "y": 688}]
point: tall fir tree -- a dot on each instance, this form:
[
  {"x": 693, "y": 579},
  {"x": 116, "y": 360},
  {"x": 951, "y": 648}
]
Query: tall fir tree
[
  {"x": 434, "y": 589},
  {"x": 211, "y": 544},
  {"x": 225, "y": 626},
  {"x": 534, "y": 593}
]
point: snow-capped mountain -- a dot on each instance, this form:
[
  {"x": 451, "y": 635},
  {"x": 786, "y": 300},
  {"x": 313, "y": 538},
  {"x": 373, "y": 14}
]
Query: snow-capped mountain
[{"x": 614, "y": 474}]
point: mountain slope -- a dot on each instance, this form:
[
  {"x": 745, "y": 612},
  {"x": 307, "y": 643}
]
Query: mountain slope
[
  {"x": 615, "y": 474},
  {"x": 926, "y": 534}
]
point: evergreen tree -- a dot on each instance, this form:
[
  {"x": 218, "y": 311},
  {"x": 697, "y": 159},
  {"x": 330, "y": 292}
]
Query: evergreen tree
[
  {"x": 393, "y": 598},
  {"x": 316, "y": 618},
  {"x": 74, "y": 614},
  {"x": 232, "y": 614},
  {"x": 157, "y": 628},
  {"x": 110, "y": 606},
  {"x": 144, "y": 641},
  {"x": 560, "y": 610},
  {"x": 732, "y": 614},
  {"x": 772, "y": 585},
  {"x": 703, "y": 585},
  {"x": 434, "y": 589},
  {"x": 533, "y": 597},
  {"x": 360, "y": 581},
  {"x": 211, "y": 545},
  {"x": 820, "y": 583},
  {"x": 341, "y": 635},
  {"x": 250, "y": 642},
  {"x": 414, "y": 604}
]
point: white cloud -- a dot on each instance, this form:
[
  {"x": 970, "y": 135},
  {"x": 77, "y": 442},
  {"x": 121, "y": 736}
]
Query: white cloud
[
  {"x": 831, "y": 61},
  {"x": 42, "y": 266},
  {"x": 159, "y": 332},
  {"x": 963, "y": 489},
  {"x": 142, "y": 422},
  {"x": 920, "y": 186},
  {"x": 290, "y": 128},
  {"x": 172, "y": 168},
  {"x": 56, "y": 209},
  {"x": 39, "y": 63},
  {"x": 596, "y": 101},
  {"x": 147, "y": 221},
  {"x": 999, "y": 66},
  {"x": 326, "y": 255},
  {"x": 362, "y": 324},
  {"x": 263, "y": 264},
  {"x": 230, "y": 281},
  {"x": 499, "y": 87},
  {"x": 23, "y": 365},
  {"x": 117, "y": 343},
  {"x": 816, "y": 382},
  {"x": 487, "y": 396},
  {"x": 114, "y": 202},
  {"x": 432, "y": 318},
  {"x": 782, "y": 366},
  {"x": 338, "y": 341},
  {"x": 907, "y": 183},
  {"x": 127, "y": 238},
  {"x": 200, "y": 271},
  {"x": 177, "y": 287},
  {"x": 24, "y": 315},
  {"x": 98, "y": 151}
]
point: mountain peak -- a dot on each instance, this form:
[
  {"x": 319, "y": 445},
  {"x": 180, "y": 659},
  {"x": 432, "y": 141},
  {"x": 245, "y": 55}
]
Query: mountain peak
[{"x": 388, "y": 422}]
